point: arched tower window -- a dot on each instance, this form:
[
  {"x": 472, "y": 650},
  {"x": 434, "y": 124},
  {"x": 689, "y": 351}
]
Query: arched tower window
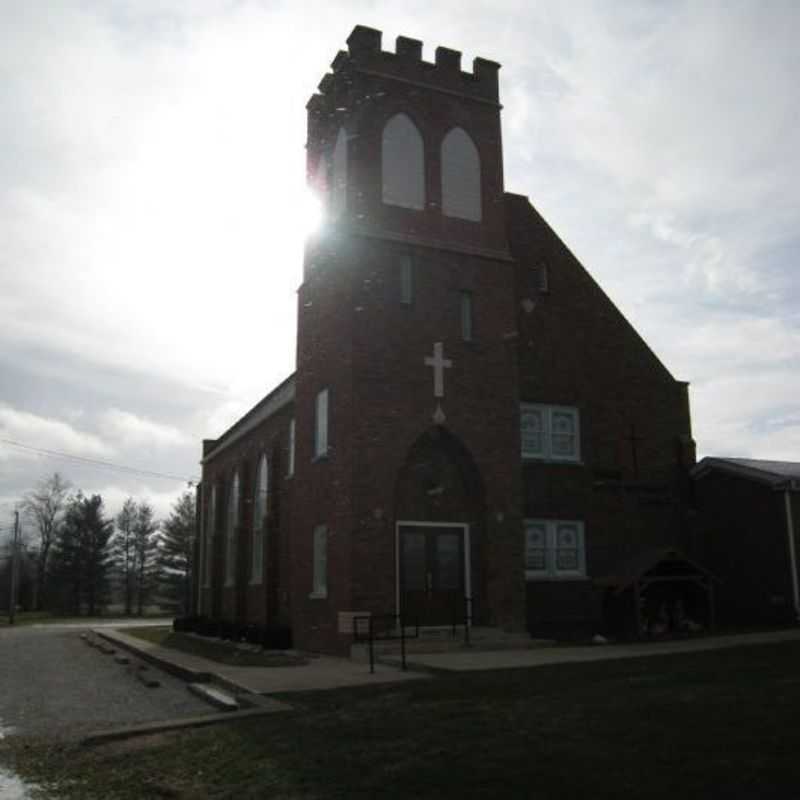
[
  {"x": 461, "y": 176},
  {"x": 338, "y": 195},
  {"x": 233, "y": 524},
  {"x": 320, "y": 178},
  {"x": 259, "y": 518},
  {"x": 403, "y": 164}
]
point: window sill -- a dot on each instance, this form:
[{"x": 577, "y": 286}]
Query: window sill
[
  {"x": 575, "y": 462},
  {"x": 318, "y": 596},
  {"x": 535, "y": 577}
]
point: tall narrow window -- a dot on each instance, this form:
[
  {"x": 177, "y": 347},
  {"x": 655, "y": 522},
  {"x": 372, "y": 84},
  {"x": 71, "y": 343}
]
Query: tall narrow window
[
  {"x": 260, "y": 509},
  {"x": 321, "y": 424},
  {"x": 403, "y": 164},
  {"x": 320, "y": 565},
  {"x": 320, "y": 178},
  {"x": 290, "y": 459},
  {"x": 339, "y": 179},
  {"x": 461, "y": 176},
  {"x": 211, "y": 532},
  {"x": 406, "y": 280},
  {"x": 466, "y": 316},
  {"x": 233, "y": 524}
]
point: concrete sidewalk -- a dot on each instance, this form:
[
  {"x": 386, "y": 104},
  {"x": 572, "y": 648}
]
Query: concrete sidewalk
[
  {"x": 509, "y": 659},
  {"x": 324, "y": 672}
]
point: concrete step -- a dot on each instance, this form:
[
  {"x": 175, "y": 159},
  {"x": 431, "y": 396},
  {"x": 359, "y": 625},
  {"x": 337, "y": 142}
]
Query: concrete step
[
  {"x": 216, "y": 697},
  {"x": 441, "y": 640}
]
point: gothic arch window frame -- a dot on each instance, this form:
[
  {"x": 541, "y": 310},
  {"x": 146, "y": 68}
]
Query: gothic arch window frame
[
  {"x": 472, "y": 210},
  {"x": 339, "y": 165},
  {"x": 260, "y": 518},
  {"x": 210, "y": 535},
  {"x": 416, "y": 194},
  {"x": 321, "y": 178},
  {"x": 232, "y": 524}
]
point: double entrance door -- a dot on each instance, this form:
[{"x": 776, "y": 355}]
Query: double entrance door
[{"x": 432, "y": 580}]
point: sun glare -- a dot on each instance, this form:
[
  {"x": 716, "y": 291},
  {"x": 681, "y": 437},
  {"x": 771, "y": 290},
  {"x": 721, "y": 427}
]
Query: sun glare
[{"x": 312, "y": 212}]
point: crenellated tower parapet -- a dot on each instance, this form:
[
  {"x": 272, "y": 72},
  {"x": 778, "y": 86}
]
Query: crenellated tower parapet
[{"x": 406, "y": 149}]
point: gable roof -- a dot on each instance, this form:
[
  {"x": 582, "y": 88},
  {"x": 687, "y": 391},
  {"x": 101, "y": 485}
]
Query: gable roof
[
  {"x": 280, "y": 396},
  {"x": 778, "y": 474}
]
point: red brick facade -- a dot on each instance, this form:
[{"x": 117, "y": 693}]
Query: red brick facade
[{"x": 383, "y": 285}]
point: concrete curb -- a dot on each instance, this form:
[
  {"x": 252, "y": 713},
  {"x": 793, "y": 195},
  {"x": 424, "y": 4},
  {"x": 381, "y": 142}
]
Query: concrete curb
[
  {"x": 147, "y": 728},
  {"x": 160, "y": 660},
  {"x": 178, "y": 670},
  {"x": 214, "y": 696}
]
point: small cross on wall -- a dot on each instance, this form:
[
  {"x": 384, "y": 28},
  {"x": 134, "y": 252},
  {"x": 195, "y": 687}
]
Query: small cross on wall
[{"x": 439, "y": 364}]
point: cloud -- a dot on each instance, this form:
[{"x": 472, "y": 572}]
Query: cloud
[
  {"x": 114, "y": 496},
  {"x": 153, "y": 168},
  {"x": 131, "y": 430},
  {"x": 50, "y": 434}
]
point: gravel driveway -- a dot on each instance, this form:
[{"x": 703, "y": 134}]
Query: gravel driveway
[{"x": 52, "y": 684}]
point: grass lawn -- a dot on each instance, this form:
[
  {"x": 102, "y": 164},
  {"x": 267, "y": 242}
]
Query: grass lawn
[
  {"x": 213, "y": 649},
  {"x": 718, "y": 724},
  {"x": 48, "y": 617}
]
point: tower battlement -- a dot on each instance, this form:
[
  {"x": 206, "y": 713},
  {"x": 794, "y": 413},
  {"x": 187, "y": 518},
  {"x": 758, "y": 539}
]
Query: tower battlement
[{"x": 364, "y": 54}]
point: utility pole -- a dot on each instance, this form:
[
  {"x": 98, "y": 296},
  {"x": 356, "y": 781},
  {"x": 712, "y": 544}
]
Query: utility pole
[{"x": 12, "y": 601}]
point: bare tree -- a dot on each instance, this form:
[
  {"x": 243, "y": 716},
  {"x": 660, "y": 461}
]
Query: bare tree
[{"x": 44, "y": 507}]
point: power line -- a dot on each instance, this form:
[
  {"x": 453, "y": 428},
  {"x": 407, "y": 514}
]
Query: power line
[{"x": 96, "y": 462}]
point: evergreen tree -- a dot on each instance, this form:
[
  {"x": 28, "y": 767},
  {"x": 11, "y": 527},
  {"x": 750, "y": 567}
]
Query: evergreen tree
[
  {"x": 81, "y": 558},
  {"x": 177, "y": 543},
  {"x": 124, "y": 551},
  {"x": 146, "y": 562}
]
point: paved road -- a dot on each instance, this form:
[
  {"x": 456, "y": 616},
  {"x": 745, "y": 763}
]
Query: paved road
[{"x": 52, "y": 684}]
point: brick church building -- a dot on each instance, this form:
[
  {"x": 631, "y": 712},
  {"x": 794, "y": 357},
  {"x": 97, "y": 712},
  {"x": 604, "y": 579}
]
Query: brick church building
[{"x": 470, "y": 416}]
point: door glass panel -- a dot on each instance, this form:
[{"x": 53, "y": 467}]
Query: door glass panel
[
  {"x": 448, "y": 560},
  {"x": 414, "y": 562}
]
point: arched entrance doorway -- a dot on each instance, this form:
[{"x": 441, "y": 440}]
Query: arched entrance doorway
[{"x": 439, "y": 527}]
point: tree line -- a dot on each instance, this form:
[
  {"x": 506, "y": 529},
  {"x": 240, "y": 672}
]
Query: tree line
[{"x": 76, "y": 559}]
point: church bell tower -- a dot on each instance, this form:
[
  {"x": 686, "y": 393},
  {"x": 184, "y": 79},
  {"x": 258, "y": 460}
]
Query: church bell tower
[{"x": 405, "y": 328}]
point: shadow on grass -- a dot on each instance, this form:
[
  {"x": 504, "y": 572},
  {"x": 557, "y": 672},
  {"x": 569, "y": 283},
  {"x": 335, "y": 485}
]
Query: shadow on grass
[{"x": 712, "y": 724}]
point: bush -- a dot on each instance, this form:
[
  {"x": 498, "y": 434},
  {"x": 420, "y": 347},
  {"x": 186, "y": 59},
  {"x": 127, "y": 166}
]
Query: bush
[{"x": 270, "y": 637}]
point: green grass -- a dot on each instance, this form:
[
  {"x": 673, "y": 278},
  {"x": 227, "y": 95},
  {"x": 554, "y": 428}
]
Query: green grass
[
  {"x": 49, "y": 618},
  {"x": 719, "y": 724},
  {"x": 213, "y": 649},
  {"x": 45, "y": 617}
]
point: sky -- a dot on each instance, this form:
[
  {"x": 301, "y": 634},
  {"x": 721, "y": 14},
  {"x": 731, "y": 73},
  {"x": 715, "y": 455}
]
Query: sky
[{"x": 153, "y": 206}]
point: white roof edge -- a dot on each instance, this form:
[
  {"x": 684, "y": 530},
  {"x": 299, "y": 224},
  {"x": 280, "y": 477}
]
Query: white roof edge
[{"x": 280, "y": 398}]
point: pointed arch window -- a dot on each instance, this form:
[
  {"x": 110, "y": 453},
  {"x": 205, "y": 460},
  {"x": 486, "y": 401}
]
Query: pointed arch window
[
  {"x": 461, "y": 176},
  {"x": 233, "y": 524},
  {"x": 260, "y": 511},
  {"x": 211, "y": 532},
  {"x": 319, "y": 178},
  {"x": 338, "y": 195},
  {"x": 403, "y": 164}
]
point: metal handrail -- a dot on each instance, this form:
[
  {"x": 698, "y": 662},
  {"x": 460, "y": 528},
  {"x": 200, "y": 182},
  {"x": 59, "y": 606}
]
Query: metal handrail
[
  {"x": 384, "y": 635},
  {"x": 465, "y": 620}
]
